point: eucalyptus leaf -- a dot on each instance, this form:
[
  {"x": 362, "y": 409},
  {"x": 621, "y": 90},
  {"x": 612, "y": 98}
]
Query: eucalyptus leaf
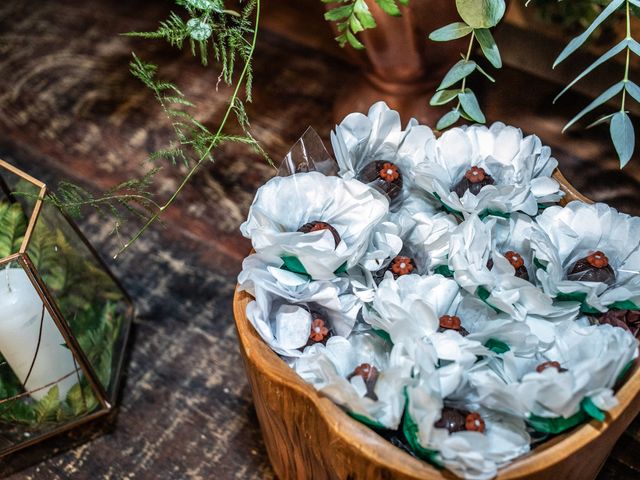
[
  {"x": 488, "y": 46},
  {"x": 606, "y": 56},
  {"x": 443, "y": 96},
  {"x": 623, "y": 137},
  {"x": 481, "y": 13},
  {"x": 574, "y": 44},
  {"x": 601, "y": 120},
  {"x": 448, "y": 119},
  {"x": 470, "y": 105},
  {"x": 633, "y": 90},
  {"x": 484, "y": 72},
  {"x": 634, "y": 46},
  {"x": 459, "y": 71},
  {"x": 451, "y": 32},
  {"x": 607, "y": 95}
]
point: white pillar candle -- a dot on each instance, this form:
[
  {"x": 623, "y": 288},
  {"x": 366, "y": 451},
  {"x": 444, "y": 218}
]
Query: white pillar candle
[{"x": 20, "y": 319}]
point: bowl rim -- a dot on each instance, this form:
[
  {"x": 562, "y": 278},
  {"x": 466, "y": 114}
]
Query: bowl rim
[{"x": 256, "y": 352}]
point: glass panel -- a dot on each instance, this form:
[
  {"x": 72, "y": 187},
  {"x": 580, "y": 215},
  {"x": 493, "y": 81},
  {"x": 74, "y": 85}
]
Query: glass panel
[
  {"x": 17, "y": 202},
  {"x": 91, "y": 302},
  {"x": 42, "y": 387}
]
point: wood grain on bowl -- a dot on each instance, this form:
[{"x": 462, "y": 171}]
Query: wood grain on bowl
[{"x": 309, "y": 437}]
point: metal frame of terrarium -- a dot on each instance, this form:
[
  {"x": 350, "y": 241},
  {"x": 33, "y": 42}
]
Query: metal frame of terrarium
[{"x": 81, "y": 362}]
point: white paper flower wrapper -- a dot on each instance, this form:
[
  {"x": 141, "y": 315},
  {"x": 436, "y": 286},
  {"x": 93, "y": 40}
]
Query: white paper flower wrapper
[
  {"x": 284, "y": 204},
  {"x": 378, "y": 136},
  {"x": 593, "y": 356},
  {"x": 520, "y": 166},
  {"x": 474, "y": 242},
  {"x": 328, "y": 367},
  {"x": 469, "y": 454},
  {"x": 281, "y": 309},
  {"x": 570, "y": 233}
]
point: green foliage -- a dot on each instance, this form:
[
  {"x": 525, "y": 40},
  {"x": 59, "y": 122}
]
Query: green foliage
[
  {"x": 209, "y": 29},
  {"x": 13, "y": 225},
  {"x": 478, "y": 16},
  {"x": 621, "y": 129},
  {"x": 354, "y": 16}
]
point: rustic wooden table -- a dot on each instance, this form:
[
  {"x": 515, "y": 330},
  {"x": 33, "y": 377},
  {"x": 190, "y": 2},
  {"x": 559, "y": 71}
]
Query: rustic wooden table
[{"x": 70, "y": 110}]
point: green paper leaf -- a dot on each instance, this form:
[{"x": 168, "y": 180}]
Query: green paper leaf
[
  {"x": 623, "y": 373},
  {"x": 353, "y": 41},
  {"x": 557, "y": 424},
  {"x": 459, "y": 71},
  {"x": 574, "y": 44},
  {"x": 469, "y": 103},
  {"x": 294, "y": 265},
  {"x": 369, "y": 422},
  {"x": 607, "y": 95},
  {"x": 481, "y": 13},
  {"x": 443, "y": 270},
  {"x": 382, "y": 334},
  {"x": 443, "y": 96},
  {"x": 448, "y": 119},
  {"x": 489, "y": 47},
  {"x": 590, "y": 408},
  {"x": 497, "y": 346},
  {"x": 450, "y": 32},
  {"x": 410, "y": 430},
  {"x": 361, "y": 10},
  {"x": 623, "y": 137},
  {"x": 624, "y": 305}
]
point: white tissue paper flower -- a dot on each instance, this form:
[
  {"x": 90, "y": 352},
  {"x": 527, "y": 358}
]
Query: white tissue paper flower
[
  {"x": 425, "y": 234},
  {"x": 560, "y": 388},
  {"x": 362, "y": 373},
  {"x": 375, "y": 149},
  {"x": 288, "y": 306},
  {"x": 486, "y": 170},
  {"x": 478, "y": 260},
  {"x": 338, "y": 215},
  {"x": 589, "y": 253},
  {"x": 484, "y": 441}
]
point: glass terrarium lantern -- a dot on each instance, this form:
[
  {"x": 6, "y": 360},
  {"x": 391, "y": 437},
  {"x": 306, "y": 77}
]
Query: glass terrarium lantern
[{"x": 64, "y": 319}]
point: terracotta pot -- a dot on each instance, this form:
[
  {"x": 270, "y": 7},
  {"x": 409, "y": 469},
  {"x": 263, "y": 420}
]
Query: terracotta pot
[
  {"x": 309, "y": 437},
  {"x": 399, "y": 63}
]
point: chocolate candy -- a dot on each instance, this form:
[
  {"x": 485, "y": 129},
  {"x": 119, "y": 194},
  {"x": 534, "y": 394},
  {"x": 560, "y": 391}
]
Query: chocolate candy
[
  {"x": 517, "y": 262},
  {"x": 593, "y": 268},
  {"x": 455, "y": 420},
  {"x": 474, "y": 179},
  {"x": 552, "y": 364},
  {"x": 321, "y": 329},
  {"x": 384, "y": 175},
  {"x": 369, "y": 374},
  {"x": 401, "y": 266},
  {"x": 626, "y": 319},
  {"x": 317, "y": 225},
  {"x": 452, "y": 322}
]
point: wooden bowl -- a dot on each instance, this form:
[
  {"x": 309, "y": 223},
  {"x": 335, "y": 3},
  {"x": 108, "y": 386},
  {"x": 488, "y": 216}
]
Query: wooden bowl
[{"x": 309, "y": 437}]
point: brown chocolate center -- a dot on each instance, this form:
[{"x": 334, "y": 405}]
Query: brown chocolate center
[{"x": 316, "y": 226}]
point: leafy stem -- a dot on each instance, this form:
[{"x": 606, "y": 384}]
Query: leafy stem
[
  {"x": 466, "y": 59},
  {"x": 628, "y": 52},
  {"x": 231, "y": 107}
]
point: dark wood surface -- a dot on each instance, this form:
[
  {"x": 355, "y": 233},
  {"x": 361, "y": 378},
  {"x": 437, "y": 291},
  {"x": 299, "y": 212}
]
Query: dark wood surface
[{"x": 70, "y": 110}]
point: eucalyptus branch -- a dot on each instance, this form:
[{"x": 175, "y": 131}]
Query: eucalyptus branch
[
  {"x": 620, "y": 126},
  {"x": 477, "y": 20}
]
